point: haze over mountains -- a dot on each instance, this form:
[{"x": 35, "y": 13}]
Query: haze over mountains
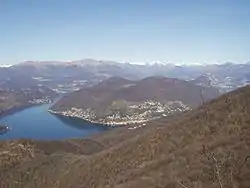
[
  {"x": 65, "y": 77},
  {"x": 68, "y": 76},
  {"x": 174, "y": 144}
]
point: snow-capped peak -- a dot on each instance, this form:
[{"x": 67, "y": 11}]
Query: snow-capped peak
[{"x": 5, "y": 65}]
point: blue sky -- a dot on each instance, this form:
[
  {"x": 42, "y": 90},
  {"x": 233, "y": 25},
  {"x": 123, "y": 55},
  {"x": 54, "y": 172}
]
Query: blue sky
[{"x": 177, "y": 31}]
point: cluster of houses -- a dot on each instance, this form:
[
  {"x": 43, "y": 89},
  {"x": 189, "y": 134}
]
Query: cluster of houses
[
  {"x": 135, "y": 113},
  {"x": 41, "y": 101}
]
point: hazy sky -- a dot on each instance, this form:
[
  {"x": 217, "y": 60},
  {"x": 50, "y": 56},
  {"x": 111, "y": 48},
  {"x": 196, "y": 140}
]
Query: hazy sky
[{"x": 177, "y": 31}]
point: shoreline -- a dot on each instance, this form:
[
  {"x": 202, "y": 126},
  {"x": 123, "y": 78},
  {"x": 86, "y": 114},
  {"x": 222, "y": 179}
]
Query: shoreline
[
  {"x": 18, "y": 109},
  {"x": 15, "y": 110},
  {"x": 113, "y": 124}
]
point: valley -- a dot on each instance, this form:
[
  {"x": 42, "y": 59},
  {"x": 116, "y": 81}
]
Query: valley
[
  {"x": 142, "y": 131},
  {"x": 119, "y": 109},
  {"x": 113, "y": 93},
  {"x": 171, "y": 151},
  {"x": 125, "y": 94},
  {"x": 117, "y": 132}
]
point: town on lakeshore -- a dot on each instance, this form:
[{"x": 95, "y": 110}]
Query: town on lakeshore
[{"x": 133, "y": 114}]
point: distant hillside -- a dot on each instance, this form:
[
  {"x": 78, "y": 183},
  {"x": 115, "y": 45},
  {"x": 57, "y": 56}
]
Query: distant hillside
[
  {"x": 152, "y": 88},
  {"x": 207, "y": 147},
  {"x": 223, "y": 84},
  {"x": 206, "y": 80},
  {"x": 121, "y": 101},
  {"x": 14, "y": 100},
  {"x": 64, "y": 76}
]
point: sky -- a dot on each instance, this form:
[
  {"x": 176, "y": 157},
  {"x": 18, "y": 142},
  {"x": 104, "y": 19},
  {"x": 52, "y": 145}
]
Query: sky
[{"x": 171, "y": 31}]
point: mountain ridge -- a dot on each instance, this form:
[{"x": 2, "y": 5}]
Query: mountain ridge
[
  {"x": 74, "y": 75},
  {"x": 117, "y": 98}
]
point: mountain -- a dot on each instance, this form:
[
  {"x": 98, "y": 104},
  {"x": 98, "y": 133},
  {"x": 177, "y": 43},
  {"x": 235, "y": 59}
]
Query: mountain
[
  {"x": 225, "y": 77},
  {"x": 209, "y": 80},
  {"x": 206, "y": 80},
  {"x": 67, "y": 76},
  {"x": 229, "y": 75},
  {"x": 121, "y": 101},
  {"x": 207, "y": 147}
]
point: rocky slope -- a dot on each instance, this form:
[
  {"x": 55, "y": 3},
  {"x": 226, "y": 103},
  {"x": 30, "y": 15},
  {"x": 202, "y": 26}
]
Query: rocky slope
[
  {"x": 207, "y": 147},
  {"x": 120, "y": 101}
]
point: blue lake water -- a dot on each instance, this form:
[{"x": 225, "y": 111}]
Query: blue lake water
[{"x": 37, "y": 123}]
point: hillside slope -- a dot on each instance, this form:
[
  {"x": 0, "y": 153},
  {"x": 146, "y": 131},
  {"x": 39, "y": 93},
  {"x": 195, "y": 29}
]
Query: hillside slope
[
  {"x": 14, "y": 100},
  {"x": 120, "y": 100},
  {"x": 207, "y": 147},
  {"x": 152, "y": 88}
]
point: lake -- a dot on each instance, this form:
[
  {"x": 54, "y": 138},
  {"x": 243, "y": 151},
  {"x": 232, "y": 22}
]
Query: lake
[{"x": 37, "y": 123}]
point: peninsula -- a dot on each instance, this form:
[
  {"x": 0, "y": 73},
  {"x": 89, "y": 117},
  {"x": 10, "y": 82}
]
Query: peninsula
[{"x": 118, "y": 101}]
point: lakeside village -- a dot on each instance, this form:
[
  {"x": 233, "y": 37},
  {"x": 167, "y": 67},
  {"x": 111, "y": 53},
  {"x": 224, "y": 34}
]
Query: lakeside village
[
  {"x": 45, "y": 100},
  {"x": 134, "y": 113}
]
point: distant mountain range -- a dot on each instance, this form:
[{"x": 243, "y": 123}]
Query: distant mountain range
[
  {"x": 121, "y": 101},
  {"x": 74, "y": 75}
]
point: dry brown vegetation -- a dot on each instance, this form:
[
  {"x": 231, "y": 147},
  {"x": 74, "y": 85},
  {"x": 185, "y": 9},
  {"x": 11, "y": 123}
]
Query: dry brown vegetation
[
  {"x": 15, "y": 100},
  {"x": 204, "y": 148}
]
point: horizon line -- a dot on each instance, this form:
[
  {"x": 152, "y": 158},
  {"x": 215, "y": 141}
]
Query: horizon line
[{"x": 128, "y": 62}]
